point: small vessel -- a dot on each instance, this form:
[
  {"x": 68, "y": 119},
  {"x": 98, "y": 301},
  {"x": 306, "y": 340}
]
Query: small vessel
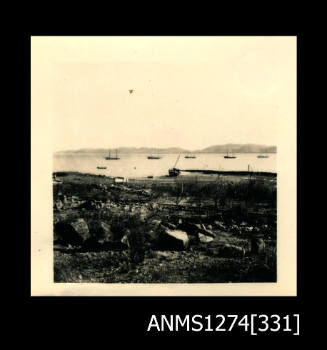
[
  {"x": 190, "y": 156},
  {"x": 112, "y": 158},
  {"x": 101, "y": 167},
  {"x": 154, "y": 157},
  {"x": 262, "y": 156},
  {"x": 227, "y": 156},
  {"x": 174, "y": 171}
]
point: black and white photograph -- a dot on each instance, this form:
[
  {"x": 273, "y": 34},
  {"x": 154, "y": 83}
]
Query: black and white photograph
[{"x": 164, "y": 161}]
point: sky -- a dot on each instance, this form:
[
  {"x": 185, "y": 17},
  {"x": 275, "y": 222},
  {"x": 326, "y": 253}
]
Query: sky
[{"x": 189, "y": 92}]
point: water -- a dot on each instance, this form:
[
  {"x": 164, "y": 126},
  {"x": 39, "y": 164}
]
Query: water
[{"x": 137, "y": 165}]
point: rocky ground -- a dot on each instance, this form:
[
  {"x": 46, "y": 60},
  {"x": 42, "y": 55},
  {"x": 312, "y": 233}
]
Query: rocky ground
[{"x": 138, "y": 233}]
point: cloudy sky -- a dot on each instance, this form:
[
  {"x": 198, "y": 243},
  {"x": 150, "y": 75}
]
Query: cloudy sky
[{"x": 189, "y": 92}]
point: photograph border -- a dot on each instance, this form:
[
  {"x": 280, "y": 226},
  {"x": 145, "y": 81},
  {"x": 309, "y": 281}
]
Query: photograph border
[{"x": 67, "y": 293}]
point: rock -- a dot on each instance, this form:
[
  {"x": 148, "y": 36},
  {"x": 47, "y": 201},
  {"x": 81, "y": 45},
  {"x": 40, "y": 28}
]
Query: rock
[
  {"x": 231, "y": 251},
  {"x": 115, "y": 245},
  {"x": 58, "y": 205},
  {"x": 169, "y": 225},
  {"x": 191, "y": 229},
  {"x": 152, "y": 236},
  {"x": 162, "y": 255},
  {"x": 155, "y": 223},
  {"x": 205, "y": 239},
  {"x": 82, "y": 228},
  {"x": 89, "y": 205},
  {"x": 123, "y": 268},
  {"x": 220, "y": 225},
  {"x": 173, "y": 240},
  {"x": 124, "y": 240},
  {"x": 90, "y": 245},
  {"x": 208, "y": 233},
  {"x": 118, "y": 231},
  {"x": 100, "y": 231},
  {"x": 194, "y": 229},
  {"x": 235, "y": 229},
  {"x": 74, "y": 233},
  {"x": 153, "y": 231},
  {"x": 258, "y": 246},
  {"x": 265, "y": 228}
]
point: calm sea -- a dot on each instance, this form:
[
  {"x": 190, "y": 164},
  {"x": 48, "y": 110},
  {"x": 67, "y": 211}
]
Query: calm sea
[{"x": 137, "y": 165}]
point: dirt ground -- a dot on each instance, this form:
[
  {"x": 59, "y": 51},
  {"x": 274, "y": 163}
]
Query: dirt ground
[{"x": 199, "y": 263}]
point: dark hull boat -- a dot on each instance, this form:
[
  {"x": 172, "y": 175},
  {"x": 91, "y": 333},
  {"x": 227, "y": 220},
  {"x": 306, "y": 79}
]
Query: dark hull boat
[
  {"x": 154, "y": 157},
  {"x": 101, "y": 167},
  {"x": 227, "y": 156},
  {"x": 174, "y": 172},
  {"x": 112, "y": 158},
  {"x": 260, "y": 156},
  {"x": 190, "y": 157}
]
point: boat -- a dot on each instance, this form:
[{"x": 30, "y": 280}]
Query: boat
[
  {"x": 101, "y": 167},
  {"x": 154, "y": 157},
  {"x": 262, "y": 156},
  {"x": 227, "y": 156},
  {"x": 174, "y": 171},
  {"x": 112, "y": 158},
  {"x": 190, "y": 157}
]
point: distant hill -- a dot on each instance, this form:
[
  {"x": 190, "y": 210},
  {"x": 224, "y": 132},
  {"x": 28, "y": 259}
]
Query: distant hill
[
  {"x": 239, "y": 148},
  {"x": 130, "y": 150},
  {"x": 232, "y": 148}
]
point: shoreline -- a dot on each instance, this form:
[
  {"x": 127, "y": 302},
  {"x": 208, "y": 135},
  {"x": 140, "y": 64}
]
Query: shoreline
[
  {"x": 194, "y": 174},
  {"x": 141, "y": 153},
  {"x": 233, "y": 172}
]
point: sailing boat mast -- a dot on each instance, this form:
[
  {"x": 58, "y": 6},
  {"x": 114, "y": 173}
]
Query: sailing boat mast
[
  {"x": 112, "y": 158},
  {"x": 228, "y": 156},
  {"x": 154, "y": 156},
  {"x": 174, "y": 171}
]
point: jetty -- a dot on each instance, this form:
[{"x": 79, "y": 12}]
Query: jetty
[{"x": 231, "y": 172}]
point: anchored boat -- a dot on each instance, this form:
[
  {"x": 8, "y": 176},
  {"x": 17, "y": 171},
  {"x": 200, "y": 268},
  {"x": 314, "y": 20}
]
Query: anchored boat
[
  {"x": 112, "y": 158},
  {"x": 154, "y": 157},
  {"x": 228, "y": 156},
  {"x": 174, "y": 171}
]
